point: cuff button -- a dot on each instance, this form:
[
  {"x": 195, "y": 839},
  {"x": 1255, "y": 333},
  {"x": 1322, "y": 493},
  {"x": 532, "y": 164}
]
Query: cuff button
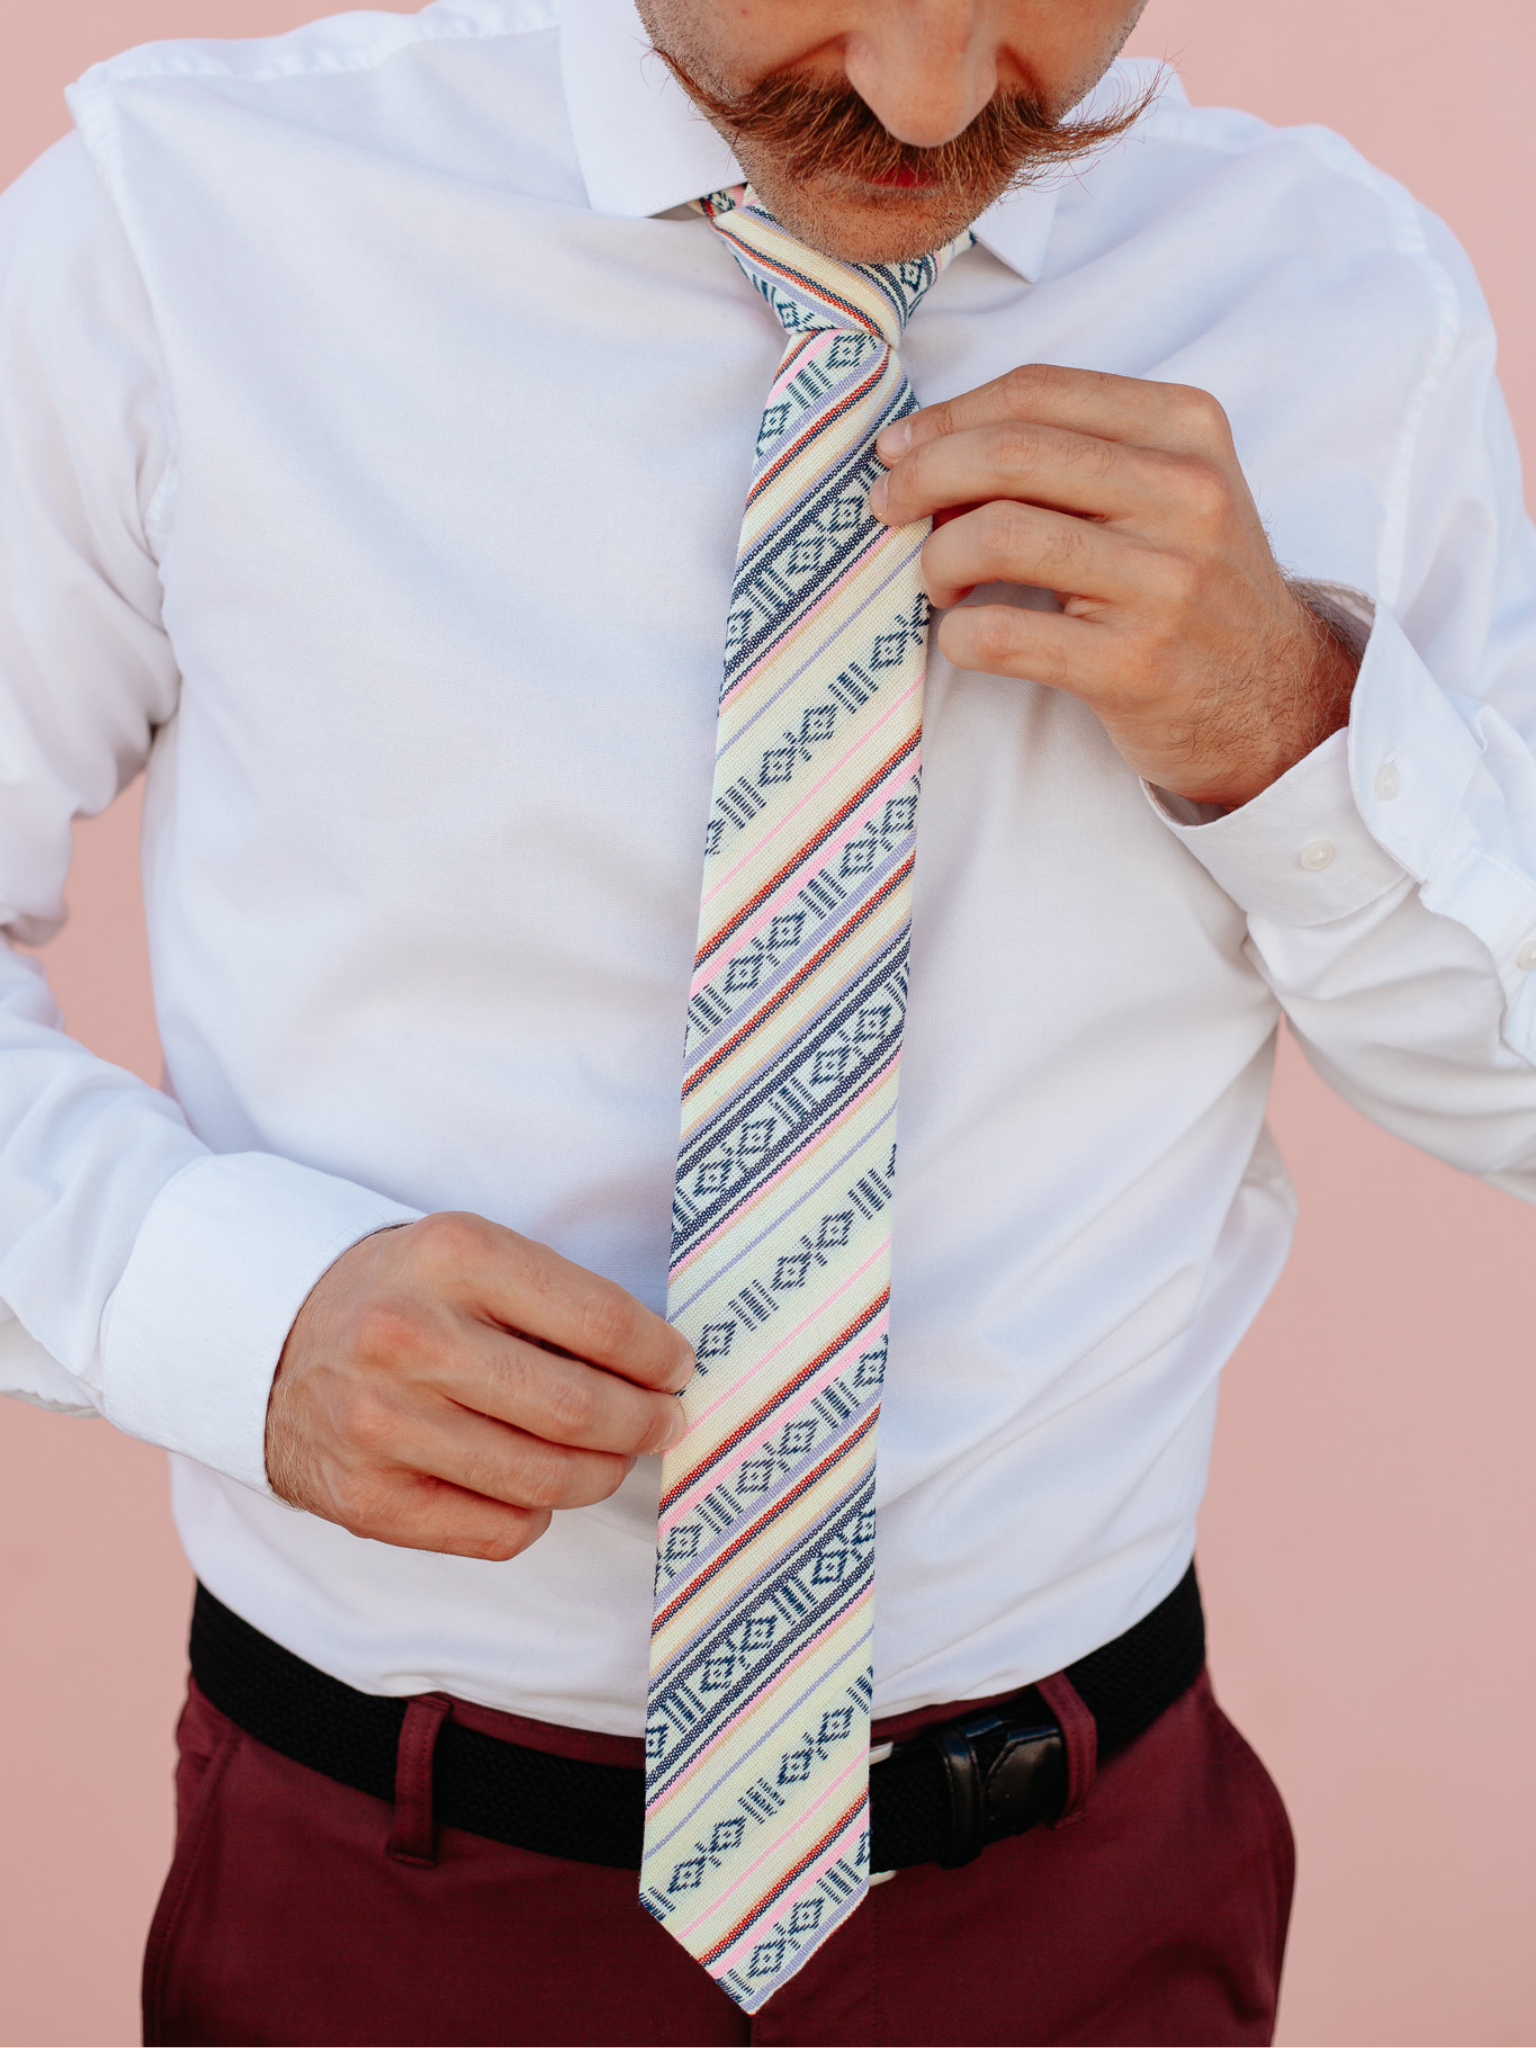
[
  {"x": 1318, "y": 855},
  {"x": 1525, "y": 959},
  {"x": 1388, "y": 781}
]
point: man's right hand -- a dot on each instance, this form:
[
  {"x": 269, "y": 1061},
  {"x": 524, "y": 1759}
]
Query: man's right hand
[{"x": 449, "y": 1384}]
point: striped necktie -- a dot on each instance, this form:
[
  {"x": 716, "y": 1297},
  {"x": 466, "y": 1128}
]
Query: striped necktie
[{"x": 757, "y": 1734}]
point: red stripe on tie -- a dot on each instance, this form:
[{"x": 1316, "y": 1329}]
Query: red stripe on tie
[
  {"x": 784, "y": 1884},
  {"x": 823, "y": 420},
  {"x": 801, "y": 1485},
  {"x": 776, "y": 880},
  {"x": 860, "y": 1322},
  {"x": 866, "y": 909}
]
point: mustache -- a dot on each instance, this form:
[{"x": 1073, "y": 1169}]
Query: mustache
[{"x": 811, "y": 128}]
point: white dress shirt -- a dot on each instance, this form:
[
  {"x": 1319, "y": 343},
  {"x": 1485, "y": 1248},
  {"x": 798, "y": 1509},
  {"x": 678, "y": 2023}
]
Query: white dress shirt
[{"x": 373, "y": 439}]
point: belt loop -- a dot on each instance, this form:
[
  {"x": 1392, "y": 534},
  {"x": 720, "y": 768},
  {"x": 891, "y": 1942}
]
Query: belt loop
[
  {"x": 1082, "y": 1738},
  {"x": 411, "y": 1838}
]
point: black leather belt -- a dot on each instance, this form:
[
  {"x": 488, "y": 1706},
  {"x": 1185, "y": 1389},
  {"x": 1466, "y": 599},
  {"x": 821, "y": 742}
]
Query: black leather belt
[{"x": 939, "y": 1797}]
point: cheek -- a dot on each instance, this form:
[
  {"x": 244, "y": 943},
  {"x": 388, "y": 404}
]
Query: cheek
[
  {"x": 729, "y": 50},
  {"x": 1060, "y": 49}
]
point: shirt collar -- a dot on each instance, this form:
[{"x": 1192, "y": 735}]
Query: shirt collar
[{"x": 644, "y": 148}]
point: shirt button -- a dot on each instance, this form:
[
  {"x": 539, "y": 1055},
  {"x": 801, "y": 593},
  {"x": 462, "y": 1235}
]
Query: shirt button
[
  {"x": 1388, "y": 781},
  {"x": 1318, "y": 855},
  {"x": 1525, "y": 959}
]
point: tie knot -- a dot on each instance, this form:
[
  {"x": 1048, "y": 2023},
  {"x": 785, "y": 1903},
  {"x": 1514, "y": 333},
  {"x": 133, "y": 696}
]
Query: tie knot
[{"x": 808, "y": 290}]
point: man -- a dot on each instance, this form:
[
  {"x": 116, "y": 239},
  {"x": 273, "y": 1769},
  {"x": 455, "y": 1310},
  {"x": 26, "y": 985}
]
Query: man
[{"x": 380, "y": 406}]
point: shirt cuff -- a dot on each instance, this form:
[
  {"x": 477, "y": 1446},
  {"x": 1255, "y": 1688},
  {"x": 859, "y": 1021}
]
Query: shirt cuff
[
  {"x": 1359, "y": 815},
  {"x": 221, "y": 1265}
]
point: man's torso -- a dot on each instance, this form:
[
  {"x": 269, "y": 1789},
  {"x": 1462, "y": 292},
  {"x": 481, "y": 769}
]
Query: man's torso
[{"x": 454, "y": 477}]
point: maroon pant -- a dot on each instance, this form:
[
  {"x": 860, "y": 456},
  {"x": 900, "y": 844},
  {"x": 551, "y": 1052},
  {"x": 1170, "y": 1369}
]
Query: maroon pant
[{"x": 298, "y": 1911}]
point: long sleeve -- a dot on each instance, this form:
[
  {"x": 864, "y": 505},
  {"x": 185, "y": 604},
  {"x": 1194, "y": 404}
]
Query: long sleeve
[
  {"x": 141, "y": 1275},
  {"x": 1389, "y": 879}
]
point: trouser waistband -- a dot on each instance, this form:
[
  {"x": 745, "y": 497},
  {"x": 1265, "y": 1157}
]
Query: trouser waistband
[{"x": 938, "y": 1796}]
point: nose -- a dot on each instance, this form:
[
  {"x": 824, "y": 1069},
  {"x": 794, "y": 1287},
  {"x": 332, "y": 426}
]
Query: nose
[{"x": 925, "y": 68}]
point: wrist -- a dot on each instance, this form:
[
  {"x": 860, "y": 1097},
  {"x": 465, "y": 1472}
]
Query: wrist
[{"x": 1310, "y": 685}]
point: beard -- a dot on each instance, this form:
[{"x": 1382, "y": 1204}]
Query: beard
[{"x": 832, "y": 174}]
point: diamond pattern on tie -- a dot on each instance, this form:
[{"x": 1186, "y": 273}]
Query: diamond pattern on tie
[{"x": 757, "y": 1734}]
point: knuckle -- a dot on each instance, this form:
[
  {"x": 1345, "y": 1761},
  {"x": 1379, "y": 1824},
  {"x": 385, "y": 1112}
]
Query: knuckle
[
  {"x": 918, "y": 460},
  {"x": 600, "y": 1474},
  {"x": 918, "y": 476},
  {"x": 1177, "y": 583},
  {"x": 544, "y": 1477},
  {"x": 941, "y": 418},
  {"x": 1063, "y": 547},
  {"x": 1048, "y": 665},
  {"x": 999, "y": 526},
  {"x": 495, "y": 1535},
  {"x": 991, "y": 641},
  {"x": 365, "y": 1424},
  {"x": 1023, "y": 384},
  {"x": 609, "y": 1322},
  {"x": 1016, "y": 444},
  {"x": 572, "y": 1402},
  {"x": 452, "y": 1238},
  {"x": 1205, "y": 490},
  {"x": 386, "y": 1330},
  {"x": 610, "y": 1474},
  {"x": 1198, "y": 411},
  {"x": 360, "y": 1500},
  {"x": 516, "y": 1535}
]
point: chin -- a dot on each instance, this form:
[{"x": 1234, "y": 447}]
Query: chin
[{"x": 861, "y": 223}]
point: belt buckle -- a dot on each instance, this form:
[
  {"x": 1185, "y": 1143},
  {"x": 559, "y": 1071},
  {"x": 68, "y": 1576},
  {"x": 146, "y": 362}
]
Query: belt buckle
[{"x": 1006, "y": 1769}]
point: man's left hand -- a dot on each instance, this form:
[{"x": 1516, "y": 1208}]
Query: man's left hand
[{"x": 1126, "y": 499}]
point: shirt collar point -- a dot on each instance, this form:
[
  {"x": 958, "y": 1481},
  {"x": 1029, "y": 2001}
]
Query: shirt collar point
[{"x": 1017, "y": 228}]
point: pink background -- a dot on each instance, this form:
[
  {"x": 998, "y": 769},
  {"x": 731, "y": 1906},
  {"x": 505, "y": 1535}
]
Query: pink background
[{"x": 1368, "y": 1545}]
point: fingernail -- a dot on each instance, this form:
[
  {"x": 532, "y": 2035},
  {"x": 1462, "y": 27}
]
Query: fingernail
[
  {"x": 878, "y": 493},
  {"x": 677, "y": 1428},
  {"x": 894, "y": 442}
]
